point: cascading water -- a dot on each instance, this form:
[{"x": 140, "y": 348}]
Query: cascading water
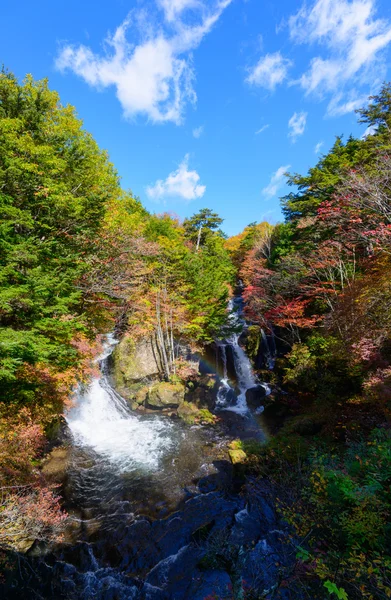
[
  {"x": 101, "y": 420},
  {"x": 269, "y": 349},
  {"x": 243, "y": 369}
]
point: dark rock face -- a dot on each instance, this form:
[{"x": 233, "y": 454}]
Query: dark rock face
[
  {"x": 215, "y": 584},
  {"x": 255, "y": 396},
  {"x": 216, "y": 545},
  {"x": 230, "y": 357}
]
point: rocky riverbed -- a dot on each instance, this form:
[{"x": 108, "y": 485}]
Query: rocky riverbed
[{"x": 159, "y": 507}]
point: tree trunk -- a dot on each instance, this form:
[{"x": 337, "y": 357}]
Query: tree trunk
[{"x": 199, "y": 238}]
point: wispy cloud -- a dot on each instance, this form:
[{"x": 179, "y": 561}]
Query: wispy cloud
[
  {"x": 342, "y": 104},
  {"x": 263, "y": 128},
  {"x": 198, "y": 131},
  {"x": 182, "y": 184},
  {"x": 318, "y": 147},
  {"x": 152, "y": 76},
  {"x": 351, "y": 38},
  {"x": 296, "y": 125},
  {"x": 174, "y": 8},
  {"x": 276, "y": 182},
  {"x": 270, "y": 71}
]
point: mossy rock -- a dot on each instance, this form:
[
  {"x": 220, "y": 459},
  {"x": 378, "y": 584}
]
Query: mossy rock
[
  {"x": 191, "y": 414},
  {"x": 202, "y": 392},
  {"x": 236, "y": 453},
  {"x": 188, "y": 412},
  {"x": 53, "y": 428},
  {"x": 141, "y": 395},
  {"x": 165, "y": 395},
  {"x": 237, "y": 457}
]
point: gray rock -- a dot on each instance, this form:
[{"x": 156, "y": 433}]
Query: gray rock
[{"x": 133, "y": 362}]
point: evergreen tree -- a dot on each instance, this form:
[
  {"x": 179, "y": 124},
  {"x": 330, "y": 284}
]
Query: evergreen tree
[{"x": 201, "y": 225}]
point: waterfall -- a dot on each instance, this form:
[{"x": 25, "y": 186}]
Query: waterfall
[
  {"x": 101, "y": 420},
  {"x": 244, "y": 374},
  {"x": 269, "y": 349},
  {"x": 224, "y": 357},
  {"x": 243, "y": 368}
]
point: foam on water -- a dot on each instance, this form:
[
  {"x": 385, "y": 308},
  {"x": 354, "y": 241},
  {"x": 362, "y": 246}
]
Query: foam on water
[{"x": 100, "y": 419}]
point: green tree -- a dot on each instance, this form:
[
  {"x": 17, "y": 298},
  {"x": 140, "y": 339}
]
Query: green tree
[
  {"x": 55, "y": 186},
  {"x": 201, "y": 225}
]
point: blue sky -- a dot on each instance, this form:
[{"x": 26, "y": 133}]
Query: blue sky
[{"x": 206, "y": 102}]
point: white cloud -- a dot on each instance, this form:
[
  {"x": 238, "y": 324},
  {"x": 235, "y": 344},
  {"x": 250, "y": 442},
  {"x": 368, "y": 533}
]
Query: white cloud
[
  {"x": 351, "y": 36},
  {"x": 342, "y": 104},
  {"x": 181, "y": 183},
  {"x": 318, "y": 147},
  {"x": 297, "y": 124},
  {"x": 153, "y": 76},
  {"x": 173, "y": 8},
  {"x": 270, "y": 71},
  {"x": 263, "y": 128},
  {"x": 198, "y": 131},
  {"x": 276, "y": 182}
]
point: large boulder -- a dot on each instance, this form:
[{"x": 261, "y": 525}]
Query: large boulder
[
  {"x": 256, "y": 395},
  {"x": 165, "y": 395},
  {"x": 133, "y": 362},
  {"x": 55, "y": 466}
]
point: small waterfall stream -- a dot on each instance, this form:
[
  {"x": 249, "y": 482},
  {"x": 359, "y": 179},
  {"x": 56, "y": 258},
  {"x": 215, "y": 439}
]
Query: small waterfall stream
[{"x": 226, "y": 397}]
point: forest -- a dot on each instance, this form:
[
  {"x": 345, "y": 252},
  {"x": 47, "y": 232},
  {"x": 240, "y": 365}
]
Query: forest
[{"x": 81, "y": 257}]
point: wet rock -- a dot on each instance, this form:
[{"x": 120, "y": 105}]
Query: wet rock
[
  {"x": 262, "y": 504},
  {"x": 150, "y": 592},
  {"x": 211, "y": 584},
  {"x": 210, "y": 483},
  {"x": 247, "y": 528},
  {"x": 165, "y": 395},
  {"x": 230, "y": 358},
  {"x": 146, "y": 544},
  {"x": 255, "y": 395},
  {"x": 174, "y": 574},
  {"x": 227, "y": 395}
]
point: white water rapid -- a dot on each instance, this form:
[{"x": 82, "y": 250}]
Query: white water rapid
[{"x": 101, "y": 420}]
